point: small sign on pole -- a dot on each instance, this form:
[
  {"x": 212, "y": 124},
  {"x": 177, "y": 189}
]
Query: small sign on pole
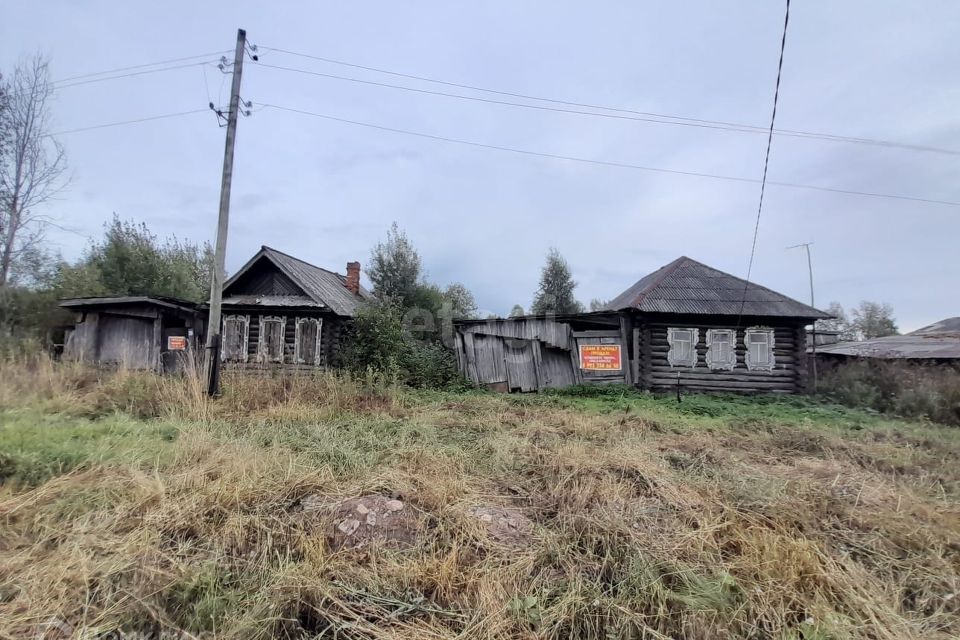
[
  {"x": 600, "y": 357},
  {"x": 176, "y": 343}
]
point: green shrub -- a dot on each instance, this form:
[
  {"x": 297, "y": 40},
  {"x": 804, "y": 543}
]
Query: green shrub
[
  {"x": 901, "y": 388},
  {"x": 377, "y": 343}
]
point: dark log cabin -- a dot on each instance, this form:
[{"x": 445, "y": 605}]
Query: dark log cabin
[
  {"x": 279, "y": 311},
  {"x": 686, "y": 325}
]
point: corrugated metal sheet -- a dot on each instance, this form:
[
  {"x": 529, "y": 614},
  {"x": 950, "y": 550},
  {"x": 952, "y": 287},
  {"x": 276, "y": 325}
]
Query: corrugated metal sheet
[
  {"x": 915, "y": 347},
  {"x": 949, "y": 326},
  {"x": 323, "y": 287},
  {"x": 938, "y": 341},
  {"x": 688, "y": 286}
]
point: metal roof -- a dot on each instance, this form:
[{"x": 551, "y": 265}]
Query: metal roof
[
  {"x": 116, "y": 301},
  {"x": 950, "y": 326},
  {"x": 322, "y": 286},
  {"x": 908, "y": 347},
  {"x": 938, "y": 341},
  {"x": 688, "y": 286}
]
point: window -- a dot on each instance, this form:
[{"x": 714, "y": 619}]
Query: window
[
  {"x": 271, "y": 338},
  {"x": 233, "y": 341},
  {"x": 307, "y": 345},
  {"x": 721, "y": 352},
  {"x": 759, "y": 344},
  {"x": 683, "y": 347}
]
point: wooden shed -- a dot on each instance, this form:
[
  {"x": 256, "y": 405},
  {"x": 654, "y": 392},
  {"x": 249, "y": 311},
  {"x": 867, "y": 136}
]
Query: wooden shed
[
  {"x": 133, "y": 332},
  {"x": 685, "y": 325}
]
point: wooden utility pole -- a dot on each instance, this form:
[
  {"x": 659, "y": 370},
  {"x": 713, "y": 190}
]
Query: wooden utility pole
[
  {"x": 813, "y": 360},
  {"x": 216, "y": 282}
]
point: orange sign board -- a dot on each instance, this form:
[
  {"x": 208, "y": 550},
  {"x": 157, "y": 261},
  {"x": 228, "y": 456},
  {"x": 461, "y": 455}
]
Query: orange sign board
[
  {"x": 600, "y": 357},
  {"x": 176, "y": 343}
]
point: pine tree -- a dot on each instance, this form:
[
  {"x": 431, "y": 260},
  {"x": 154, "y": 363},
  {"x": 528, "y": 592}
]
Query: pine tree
[{"x": 555, "y": 292}]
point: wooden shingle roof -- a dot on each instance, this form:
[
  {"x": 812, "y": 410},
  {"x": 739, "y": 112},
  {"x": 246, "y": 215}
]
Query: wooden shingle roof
[
  {"x": 324, "y": 287},
  {"x": 688, "y": 286}
]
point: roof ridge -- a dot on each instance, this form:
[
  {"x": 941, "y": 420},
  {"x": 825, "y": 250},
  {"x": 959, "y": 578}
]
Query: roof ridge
[{"x": 292, "y": 257}]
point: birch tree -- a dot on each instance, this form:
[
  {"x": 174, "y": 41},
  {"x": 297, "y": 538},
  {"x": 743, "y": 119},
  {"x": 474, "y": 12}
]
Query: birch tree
[{"x": 32, "y": 163}]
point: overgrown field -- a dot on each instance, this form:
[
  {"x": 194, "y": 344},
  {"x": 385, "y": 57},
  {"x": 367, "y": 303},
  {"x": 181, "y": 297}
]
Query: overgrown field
[{"x": 129, "y": 503}]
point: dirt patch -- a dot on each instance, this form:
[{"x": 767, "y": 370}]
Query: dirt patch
[
  {"x": 507, "y": 526},
  {"x": 357, "y": 522}
]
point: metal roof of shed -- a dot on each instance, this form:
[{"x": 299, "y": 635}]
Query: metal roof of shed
[
  {"x": 938, "y": 341},
  {"x": 691, "y": 287}
]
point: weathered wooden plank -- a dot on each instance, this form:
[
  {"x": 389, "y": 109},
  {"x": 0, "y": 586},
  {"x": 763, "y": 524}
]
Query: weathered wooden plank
[
  {"x": 597, "y": 333},
  {"x": 538, "y": 364},
  {"x": 626, "y": 360},
  {"x": 470, "y": 351}
]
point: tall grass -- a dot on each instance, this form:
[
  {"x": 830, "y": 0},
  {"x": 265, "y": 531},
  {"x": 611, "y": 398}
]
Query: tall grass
[{"x": 721, "y": 519}]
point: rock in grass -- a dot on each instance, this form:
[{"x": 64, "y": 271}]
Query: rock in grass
[
  {"x": 507, "y": 526},
  {"x": 363, "y": 520}
]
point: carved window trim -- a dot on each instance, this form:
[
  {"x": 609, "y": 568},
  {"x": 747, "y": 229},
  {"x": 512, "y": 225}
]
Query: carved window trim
[
  {"x": 716, "y": 359},
  {"x": 680, "y": 335},
  {"x": 296, "y": 348},
  {"x": 244, "y": 321},
  {"x": 263, "y": 351},
  {"x": 755, "y": 362}
]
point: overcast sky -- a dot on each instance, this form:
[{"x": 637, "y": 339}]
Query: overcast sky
[{"x": 327, "y": 191}]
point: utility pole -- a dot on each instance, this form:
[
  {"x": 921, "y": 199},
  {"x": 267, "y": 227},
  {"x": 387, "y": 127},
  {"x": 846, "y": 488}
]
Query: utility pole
[
  {"x": 813, "y": 360},
  {"x": 216, "y": 281}
]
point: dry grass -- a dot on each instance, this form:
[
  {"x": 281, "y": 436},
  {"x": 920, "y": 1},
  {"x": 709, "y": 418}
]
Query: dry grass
[{"x": 720, "y": 518}]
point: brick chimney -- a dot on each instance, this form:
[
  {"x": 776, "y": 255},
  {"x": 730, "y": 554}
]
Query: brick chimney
[{"x": 353, "y": 277}]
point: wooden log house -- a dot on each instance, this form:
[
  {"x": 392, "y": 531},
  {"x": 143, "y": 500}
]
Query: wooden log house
[
  {"x": 686, "y": 324},
  {"x": 279, "y": 311}
]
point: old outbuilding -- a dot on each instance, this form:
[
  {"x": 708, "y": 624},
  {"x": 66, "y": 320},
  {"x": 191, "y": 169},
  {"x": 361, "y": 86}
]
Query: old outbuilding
[
  {"x": 133, "y": 332},
  {"x": 685, "y": 325}
]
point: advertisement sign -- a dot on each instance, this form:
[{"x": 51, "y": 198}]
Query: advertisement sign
[
  {"x": 176, "y": 343},
  {"x": 600, "y": 357}
]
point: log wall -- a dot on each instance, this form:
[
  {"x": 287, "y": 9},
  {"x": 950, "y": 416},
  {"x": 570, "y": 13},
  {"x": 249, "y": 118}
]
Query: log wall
[{"x": 788, "y": 374}]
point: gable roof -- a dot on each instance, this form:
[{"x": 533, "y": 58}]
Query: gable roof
[
  {"x": 947, "y": 326},
  {"x": 322, "y": 286},
  {"x": 688, "y": 286}
]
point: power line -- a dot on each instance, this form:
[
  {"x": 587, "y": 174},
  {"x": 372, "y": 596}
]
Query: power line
[
  {"x": 607, "y": 163},
  {"x": 504, "y": 102},
  {"x": 125, "y": 122},
  {"x": 766, "y": 161},
  {"x": 668, "y": 118},
  {"x": 141, "y": 66},
  {"x": 57, "y": 87}
]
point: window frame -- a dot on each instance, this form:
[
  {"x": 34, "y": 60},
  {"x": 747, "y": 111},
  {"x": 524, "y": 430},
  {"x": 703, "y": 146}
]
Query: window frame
[
  {"x": 262, "y": 346},
  {"x": 672, "y": 360},
  {"x": 770, "y": 341},
  {"x": 244, "y": 351},
  {"x": 715, "y": 362},
  {"x": 297, "y": 358}
]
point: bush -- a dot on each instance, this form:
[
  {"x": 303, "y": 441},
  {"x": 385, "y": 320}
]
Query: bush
[
  {"x": 377, "y": 343},
  {"x": 901, "y": 388}
]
